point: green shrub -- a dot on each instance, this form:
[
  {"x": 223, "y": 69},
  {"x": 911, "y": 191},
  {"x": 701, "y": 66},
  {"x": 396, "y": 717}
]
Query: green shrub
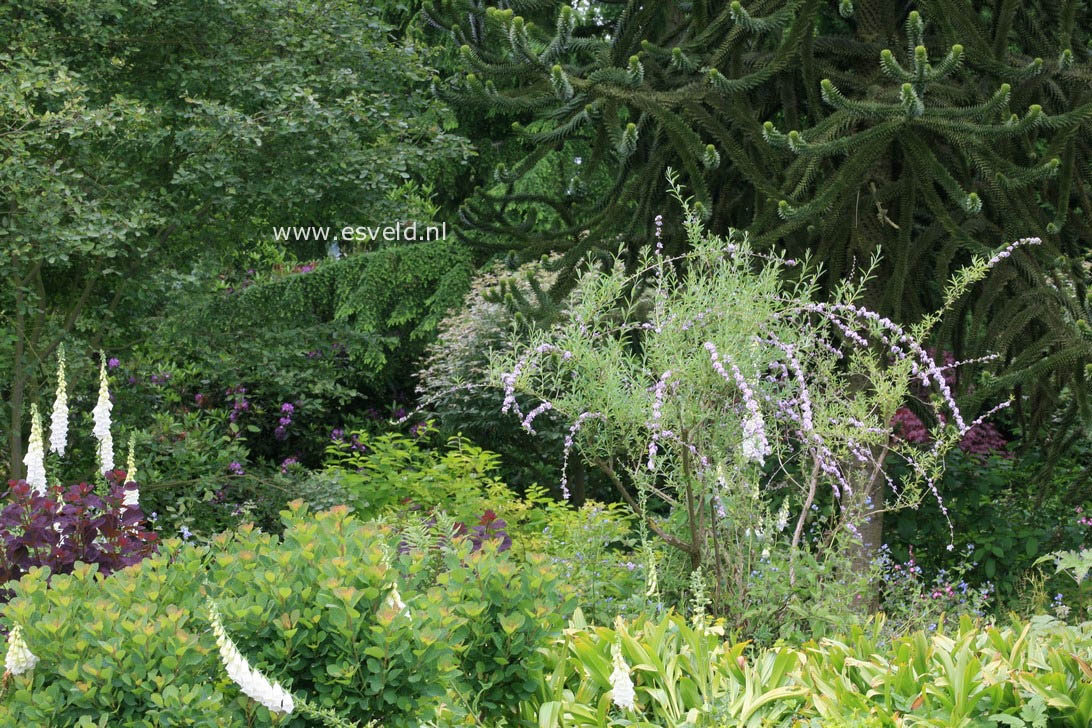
[
  {"x": 132, "y": 649},
  {"x": 1003, "y": 511},
  {"x": 389, "y": 471},
  {"x": 452, "y": 380},
  {"x": 591, "y": 546},
  {"x": 507, "y": 614},
  {"x": 317, "y": 609}
]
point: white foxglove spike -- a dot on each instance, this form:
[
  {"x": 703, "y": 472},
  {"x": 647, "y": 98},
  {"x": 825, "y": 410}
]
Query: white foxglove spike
[
  {"x": 783, "y": 515},
  {"x": 132, "y": 494},
  {"x": 101, "y": 416},
  {"x": 58, "y": 425},
  {"x": 35, "y": 456},
  {"x": 19, "y": 658},
  {"x": 621, "y": 687},
  {"x": 253, "y": 684}
]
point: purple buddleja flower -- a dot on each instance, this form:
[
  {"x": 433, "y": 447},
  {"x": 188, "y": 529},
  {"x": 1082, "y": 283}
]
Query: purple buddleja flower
[
  {"x": 530, "y": 418},
  {"x": 569, "y": 442},
  {"x": 512, "y": 377},
  {"x": 280, "y": 432},
  {"x": 287, "y": 408},
  {"x": 419, "y": 429},
  {"x": 287, "y": 462},
  {"x": 337, "y": 434},
  {"x": 657, "y": 412},
  {"x": 236, "y": 469},
  {"x": 755, "y": 446},
  {"x": 285, "y": 421},
  {"x": 1008, "y": 250},
  {"x": 890, "y": 334},
  {"x": 113, "y": 363}
]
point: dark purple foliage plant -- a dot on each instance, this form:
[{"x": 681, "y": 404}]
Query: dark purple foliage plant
[{"x": 62, "y": 527}]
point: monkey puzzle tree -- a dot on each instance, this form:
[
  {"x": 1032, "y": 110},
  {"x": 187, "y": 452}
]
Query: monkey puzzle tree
[{"x": 818, "y": 126}]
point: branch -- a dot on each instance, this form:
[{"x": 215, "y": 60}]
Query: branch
[
  {"x": 812, "y": 482},
  {"x": 677, "y": 543}
]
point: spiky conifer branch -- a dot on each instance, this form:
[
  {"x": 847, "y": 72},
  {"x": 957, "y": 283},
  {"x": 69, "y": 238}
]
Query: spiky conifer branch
[{"x": 919, "y": 156}]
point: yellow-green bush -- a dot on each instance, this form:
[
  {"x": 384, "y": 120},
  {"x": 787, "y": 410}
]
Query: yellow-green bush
[
  {"x": 313, "y": 610},
  {"x": 131, "y": 649}
]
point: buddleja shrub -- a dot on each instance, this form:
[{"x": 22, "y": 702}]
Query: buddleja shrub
[
  {"x": 131, "y": 649},
  {"x": 705, "y": 387},
  {"x": 321, "y": 611},
  {"x": 507, "y": 610}
]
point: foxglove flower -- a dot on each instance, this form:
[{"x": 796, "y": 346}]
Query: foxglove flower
[
  {"x": 394, "y": 601},
  {"x": 651, "y": 579},
  {"x": 621, "y": 687},
  {"x": 132, "y": 495},
  {"x": 35, "y": 457},
  {"x": 19, "y": 658},
  {"x": 58, "y": 425},
  {"x": 101, "y": 415},
  {"x": 253, "y": 684},
  {"x": 783, "y": 515}
]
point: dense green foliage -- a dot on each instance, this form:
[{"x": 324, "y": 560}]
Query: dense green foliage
[
  {"x": 734, "y": 372},
  {"x": 139, "y": 139},
  {"x": 313, "y": 610},
  {"x": 687, "y": 674}
]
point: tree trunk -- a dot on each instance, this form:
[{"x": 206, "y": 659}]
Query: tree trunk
[{"x": 18, "y": 388}]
